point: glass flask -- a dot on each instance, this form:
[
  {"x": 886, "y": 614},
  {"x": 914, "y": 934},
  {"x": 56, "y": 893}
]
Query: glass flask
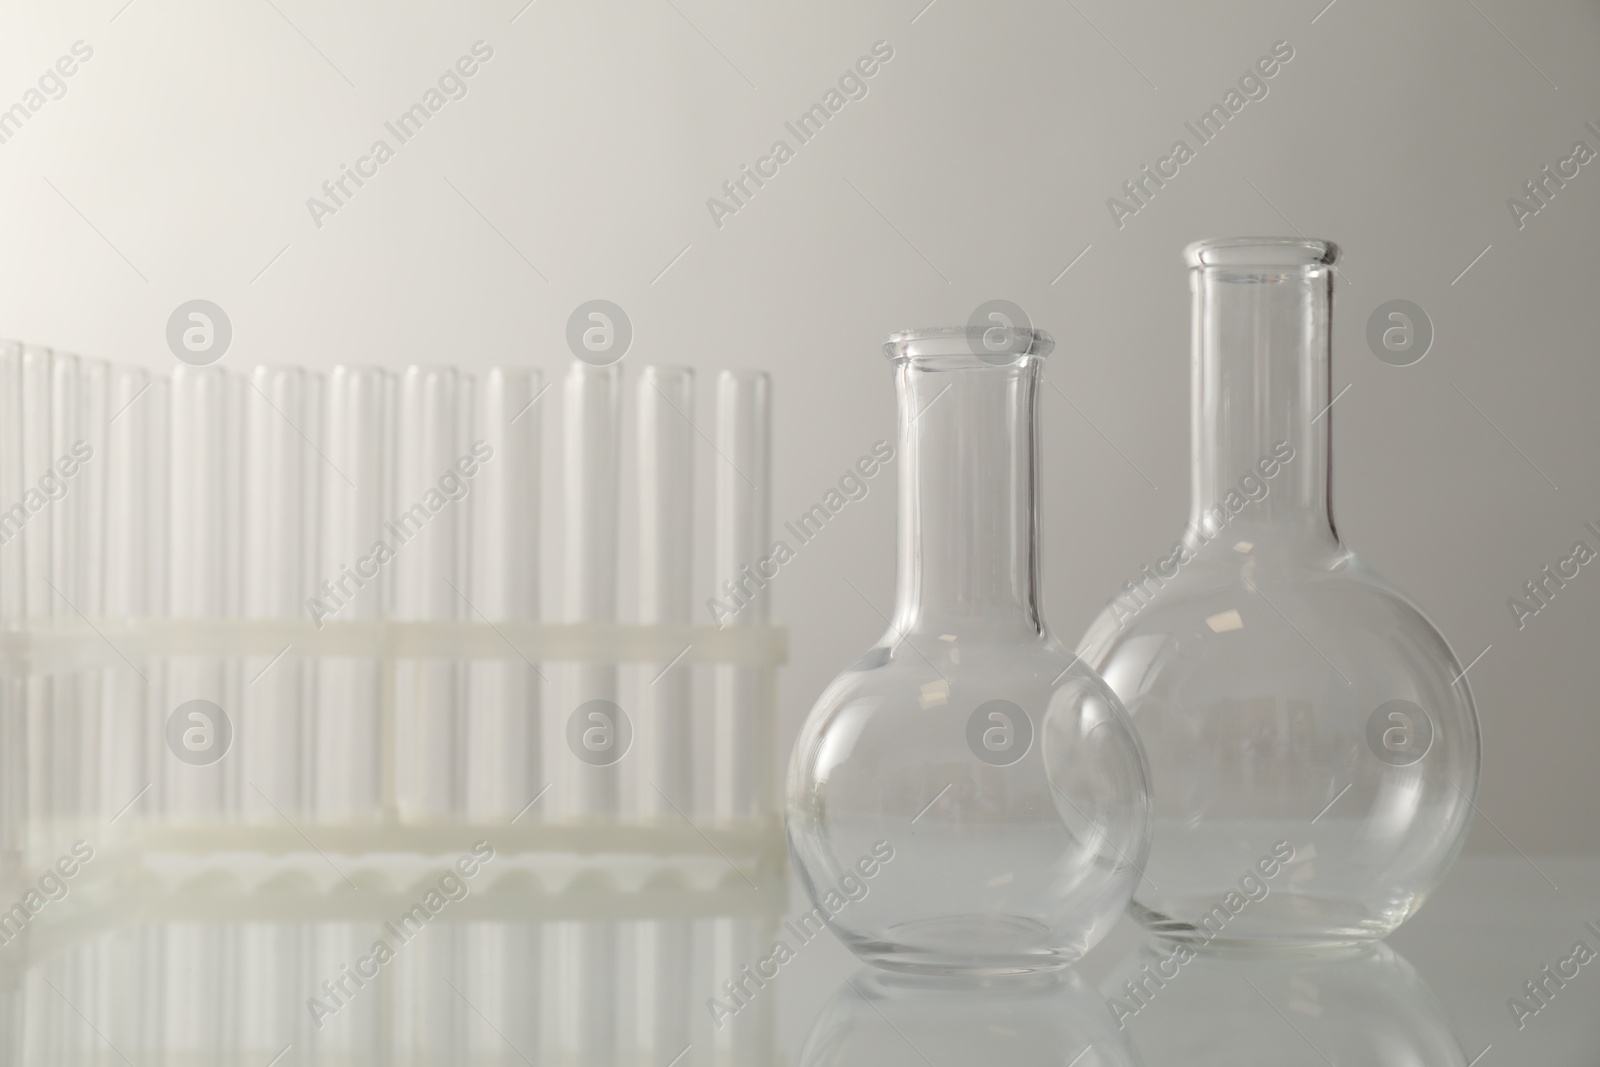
[
  {"x": 1312, "y": 742},
  {"x": 1049, "y": 1019},
  {"x": 968, "y": 797}
]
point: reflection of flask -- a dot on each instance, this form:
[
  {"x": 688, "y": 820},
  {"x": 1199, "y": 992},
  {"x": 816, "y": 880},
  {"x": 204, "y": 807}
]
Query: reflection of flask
[
  {"x": 1286, "y": 695},
  {"x": 1367, "y": 1006},
  {"x": 968, "y": 796},
  {"x": 899, "y": 1020}
]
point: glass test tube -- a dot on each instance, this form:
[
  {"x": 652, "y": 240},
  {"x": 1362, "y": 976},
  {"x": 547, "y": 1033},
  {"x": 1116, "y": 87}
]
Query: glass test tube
[
  {"x": 503, "y": 742},
  {"x": 202, "y": 575},
  {"x": 503, "y": 728},
  {"x": 281, "y": 484},
  {"x": 131, "y": 466},
  {"x": 13, "y": 614},
  {"x": 81, "y": 462},
  {"x": 62, "y": 736},
  {"x": 664, "y": 730},
  {"x": 348, "y": 736},
  {"x": 36, "y": 542},
  {"x": 429, "y": 525},
  {"x": 743, "y": 536},
  {"x": 741, "y": 727},
  {"x": 592, "y": 454}
]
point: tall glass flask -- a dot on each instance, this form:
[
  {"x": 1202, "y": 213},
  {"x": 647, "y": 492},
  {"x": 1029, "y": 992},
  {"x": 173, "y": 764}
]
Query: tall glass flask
[
  {"x": 967, "y": 796},
  {"x": 1313, "y": 746}
]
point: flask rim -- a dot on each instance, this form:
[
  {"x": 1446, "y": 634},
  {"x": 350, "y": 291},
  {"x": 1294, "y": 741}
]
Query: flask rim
[
  {"x": 991, "y": 346},
  {"x": 1261, "y": 252}
]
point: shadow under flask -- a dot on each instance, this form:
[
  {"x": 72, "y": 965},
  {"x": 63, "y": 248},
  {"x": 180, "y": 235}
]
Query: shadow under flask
[
  {"x": 1313, "y": 746},
  {"x": 968, "y": 796}
]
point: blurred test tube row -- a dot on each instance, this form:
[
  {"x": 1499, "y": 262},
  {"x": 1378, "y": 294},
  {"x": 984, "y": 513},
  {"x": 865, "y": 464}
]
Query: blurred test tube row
[{"x": 349, "y": 566}]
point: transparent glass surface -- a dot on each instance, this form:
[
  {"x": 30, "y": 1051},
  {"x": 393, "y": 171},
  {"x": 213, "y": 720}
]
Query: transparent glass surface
[
  {"x": 1216, "y": 1008},
  {"x": 1312, "y": 741},
  {"x": 968, "y": 796},
  {"x": 882, "y": 1019}
]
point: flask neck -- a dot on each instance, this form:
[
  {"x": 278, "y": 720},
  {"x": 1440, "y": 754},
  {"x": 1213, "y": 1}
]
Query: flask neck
[
  {"x": 968, "y": 553},
  {"x": 1261, "y": 404}
]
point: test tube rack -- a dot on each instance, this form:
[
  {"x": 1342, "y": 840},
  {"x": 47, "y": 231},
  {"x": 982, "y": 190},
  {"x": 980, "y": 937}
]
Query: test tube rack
[{"x": 215, "y": 544}]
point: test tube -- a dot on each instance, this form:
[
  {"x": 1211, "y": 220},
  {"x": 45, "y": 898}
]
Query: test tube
[
  {"x": 503, "y": 978},
  {"x": 281, "y": 484},
  {"x": 741, "y": 727},
  {"x": 666, "y": 567},
  {"x": 503, "y": 742},
  {"x": 503, "y": 726},
  {"x": 203, "y": 565},
  {"x": 13, "y": 613},
  {"x": 36, "y": 537},
  {"x": 36, "y": 542},
  {"x": 82, "y": 464},
  {"x": 130, "y": 465},
  {"x": 348, "y": 774},
  {"x": 743, "y": 536},
  {"x": 13, "y": 486},
  {"x": 429, "y": 526},
  {"x": 61, "y": 736},
  {"x": 593, "y": 447}
]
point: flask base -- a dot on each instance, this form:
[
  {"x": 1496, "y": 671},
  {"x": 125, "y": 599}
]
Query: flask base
[
  {"x": 1294, "y": 923},
  {"x": 972, "y": 945}
]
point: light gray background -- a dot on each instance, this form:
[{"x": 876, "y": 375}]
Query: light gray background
[{"x": 178, "y": 164}]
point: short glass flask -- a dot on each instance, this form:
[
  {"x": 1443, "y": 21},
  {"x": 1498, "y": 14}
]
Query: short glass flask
[
  {"x": 1313, "y": 747},
  {"x": 968, "y": 797}
]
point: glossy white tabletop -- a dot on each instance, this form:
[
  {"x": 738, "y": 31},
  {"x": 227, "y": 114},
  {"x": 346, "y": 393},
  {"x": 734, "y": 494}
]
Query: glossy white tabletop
[{"x": 215, "y": 974}]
